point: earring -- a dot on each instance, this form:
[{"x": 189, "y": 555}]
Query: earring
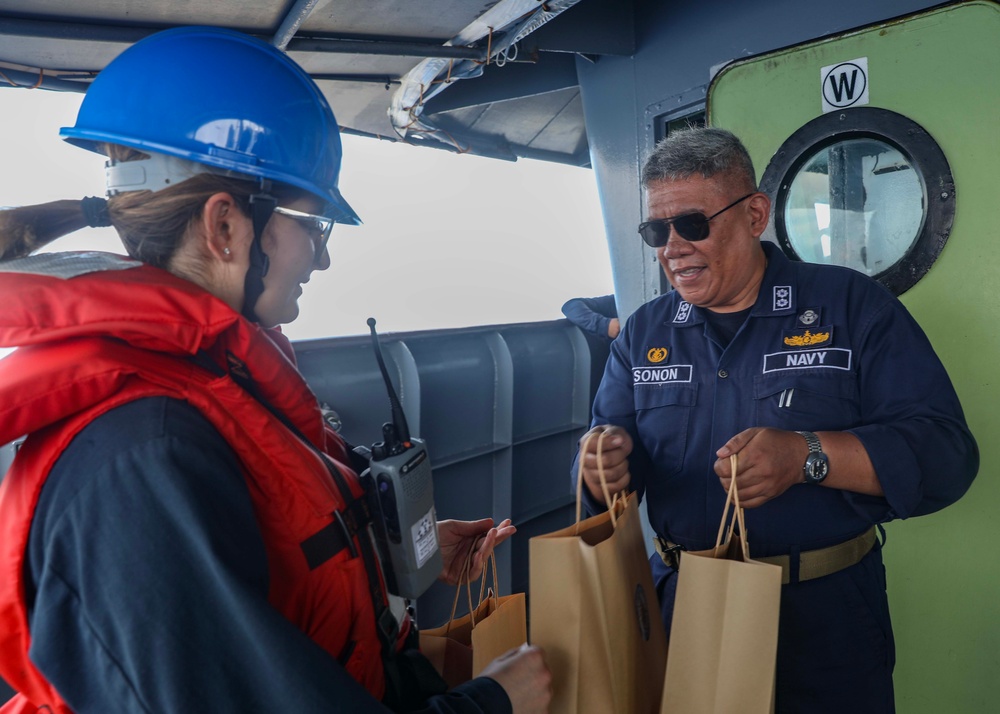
[{"x": 226, "y": 251}]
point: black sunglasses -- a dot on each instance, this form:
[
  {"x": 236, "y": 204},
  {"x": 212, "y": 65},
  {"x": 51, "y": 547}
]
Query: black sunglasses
[{"x": 691, "y": 226}]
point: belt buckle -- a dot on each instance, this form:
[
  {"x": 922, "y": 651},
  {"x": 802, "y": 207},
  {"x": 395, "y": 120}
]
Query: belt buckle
[{"x": 671, "y": 554}]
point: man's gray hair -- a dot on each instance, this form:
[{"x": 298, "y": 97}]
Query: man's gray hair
[{"x": 703, "y": 151}]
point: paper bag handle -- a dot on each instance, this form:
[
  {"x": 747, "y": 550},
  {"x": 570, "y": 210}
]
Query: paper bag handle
[
  {"x": 725, "y": 508},
  {"x": 495, "y": 592},
  {"x": 733, "y": 497},
  {"x": 610, "y": 502},
  {"x": 464, "y": 577}
]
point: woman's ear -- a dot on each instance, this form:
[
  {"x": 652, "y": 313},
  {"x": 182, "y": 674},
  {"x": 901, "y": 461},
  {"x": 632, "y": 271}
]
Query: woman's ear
[
  {"x": 223, "y": 225},
  {"x": 215, "y": 253}
]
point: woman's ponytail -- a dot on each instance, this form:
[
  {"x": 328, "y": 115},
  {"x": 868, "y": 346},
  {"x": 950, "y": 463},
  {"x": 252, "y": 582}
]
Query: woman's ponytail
[{"x": 25, "y": 229}]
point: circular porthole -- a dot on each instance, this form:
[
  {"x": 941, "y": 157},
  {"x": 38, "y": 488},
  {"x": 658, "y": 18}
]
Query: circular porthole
[{"x": 864, "y": 188}]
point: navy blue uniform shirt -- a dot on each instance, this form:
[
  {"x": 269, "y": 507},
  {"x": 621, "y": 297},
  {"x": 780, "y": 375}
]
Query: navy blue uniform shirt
[
  {"x": 824, "y": 349},
  {"x": 592, "y": 314}
]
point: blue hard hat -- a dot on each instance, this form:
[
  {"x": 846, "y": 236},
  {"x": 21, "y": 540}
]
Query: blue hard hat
[{"x": 220, "y": 98}]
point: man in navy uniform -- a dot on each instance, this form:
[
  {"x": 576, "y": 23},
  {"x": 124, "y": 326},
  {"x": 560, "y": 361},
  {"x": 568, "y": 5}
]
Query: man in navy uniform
[{"x": 841, "y": 414}]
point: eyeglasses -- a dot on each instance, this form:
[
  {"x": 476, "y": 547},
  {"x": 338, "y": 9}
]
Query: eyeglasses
[
  {"x": 691, "y": 226},
  {"x": 318, "y": 227}
]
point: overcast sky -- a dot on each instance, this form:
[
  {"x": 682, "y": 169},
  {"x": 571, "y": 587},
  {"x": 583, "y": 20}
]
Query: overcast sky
[{"x": 448, "y": 240}]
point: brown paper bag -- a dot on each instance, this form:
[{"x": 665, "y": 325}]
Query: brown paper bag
[
  {"x": 500, "y": 627},
  {"x": 461, "y": 648},
  {"x": 446, "y": 650},
  {"x": 724, "y": 632},
  {"x": 594, "y": 612}
]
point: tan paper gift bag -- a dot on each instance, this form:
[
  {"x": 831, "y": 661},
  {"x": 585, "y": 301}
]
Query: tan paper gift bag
[
  {"x": 449, "y": 647},
  {"x": 724, "y": 632},
  {"x": 595, "y": 614},
  {"x": 500, "y": 627},
  {"x": 461, "y": 648}
]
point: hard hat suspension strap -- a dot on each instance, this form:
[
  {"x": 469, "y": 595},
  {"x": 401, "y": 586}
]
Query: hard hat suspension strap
[{"x": 261, "y": 207}]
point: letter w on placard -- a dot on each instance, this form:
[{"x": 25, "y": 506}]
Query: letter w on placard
[{"x": 839, "y": 84}]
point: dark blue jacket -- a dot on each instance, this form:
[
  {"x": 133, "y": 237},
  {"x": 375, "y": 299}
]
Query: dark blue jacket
[{"x": 824, "y": 349}]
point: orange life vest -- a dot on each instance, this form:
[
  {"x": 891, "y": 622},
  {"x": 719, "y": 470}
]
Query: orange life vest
[{"x": 96, "y": 340}]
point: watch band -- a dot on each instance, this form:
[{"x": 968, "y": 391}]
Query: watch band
[
  {"x": 812, "y": 441},
  {"x": 817, "y": 464}
]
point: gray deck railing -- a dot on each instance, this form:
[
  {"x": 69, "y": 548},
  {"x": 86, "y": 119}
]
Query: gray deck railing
[{"x": 501, "y": 409}]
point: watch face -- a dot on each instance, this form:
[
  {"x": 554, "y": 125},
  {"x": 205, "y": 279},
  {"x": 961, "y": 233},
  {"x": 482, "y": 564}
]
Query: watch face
[{"x": 817, "y": 467}]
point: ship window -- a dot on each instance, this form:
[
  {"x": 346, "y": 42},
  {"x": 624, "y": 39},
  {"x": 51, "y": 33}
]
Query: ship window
[
  {"x": 865, "y": 188},
  {"x": 857, "y": 203}
]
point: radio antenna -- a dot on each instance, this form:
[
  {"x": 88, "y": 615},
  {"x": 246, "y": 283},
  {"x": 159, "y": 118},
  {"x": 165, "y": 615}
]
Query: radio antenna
[{"x": 398, "y": 417}]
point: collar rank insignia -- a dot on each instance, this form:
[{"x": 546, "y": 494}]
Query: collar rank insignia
[
  {"x": 816, "y": 337},
  {"x": 782, "y": 297},
  {"x": 683, "y": 312},
  {"x": 655, "y": 355},
  {"x": 808, "y": 317}
]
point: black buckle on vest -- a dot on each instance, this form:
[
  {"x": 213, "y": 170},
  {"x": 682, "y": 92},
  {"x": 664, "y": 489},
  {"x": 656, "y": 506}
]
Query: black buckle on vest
[
  {"x": 358, "y": 515},
  {"x": 388, "y": 627},
  {"x": 348, "y": 533},
  {"x": 327, "y": 542}
]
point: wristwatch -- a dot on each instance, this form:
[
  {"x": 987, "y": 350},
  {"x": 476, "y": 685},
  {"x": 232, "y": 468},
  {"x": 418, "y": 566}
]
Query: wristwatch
[{"x": 817, "y": 464}]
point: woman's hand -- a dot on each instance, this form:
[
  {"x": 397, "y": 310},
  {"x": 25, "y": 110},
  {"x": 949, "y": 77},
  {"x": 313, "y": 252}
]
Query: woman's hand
[
  {"x": 525, "y": 678},
  {"x": 457, "y": 538}
]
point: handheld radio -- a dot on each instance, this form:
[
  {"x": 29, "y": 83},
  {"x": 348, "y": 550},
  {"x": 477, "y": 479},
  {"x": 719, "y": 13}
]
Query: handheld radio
[{"x": 401, "y": 490}]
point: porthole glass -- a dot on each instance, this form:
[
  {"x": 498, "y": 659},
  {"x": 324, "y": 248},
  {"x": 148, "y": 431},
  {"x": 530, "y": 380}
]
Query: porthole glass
[
  {"x": 865, "y": 188},
  {"x": 857, "y": 203}
]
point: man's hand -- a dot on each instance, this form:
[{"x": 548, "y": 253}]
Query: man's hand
[
  {"x": 457, "y": 538},
  {"x": 524, "y": 676},
  {"x": 615, "y": 449},
  {"x": 770, "y": 462},
  {"x": 614, "y": 327}
]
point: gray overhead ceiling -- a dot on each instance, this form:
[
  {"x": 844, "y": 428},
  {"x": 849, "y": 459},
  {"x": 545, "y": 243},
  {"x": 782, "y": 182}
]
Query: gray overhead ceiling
[{"x": 367, "y": 55}]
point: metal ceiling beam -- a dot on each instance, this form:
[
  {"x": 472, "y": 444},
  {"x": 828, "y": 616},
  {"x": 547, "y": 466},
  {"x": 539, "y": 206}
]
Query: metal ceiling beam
[
  {"x": 47, "y": 29},
  {"x": 503, "y": 24},
  {"x": 386, "y": 48},
  {"x": 44, "y": 29},
  {"x": 383, "y": 79},
  {"x": 284, "y": 39},
  {"x": 293, "y": 20},
  {"x": 554, "y": 71},
  {"x": 32, "y": 80}
]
